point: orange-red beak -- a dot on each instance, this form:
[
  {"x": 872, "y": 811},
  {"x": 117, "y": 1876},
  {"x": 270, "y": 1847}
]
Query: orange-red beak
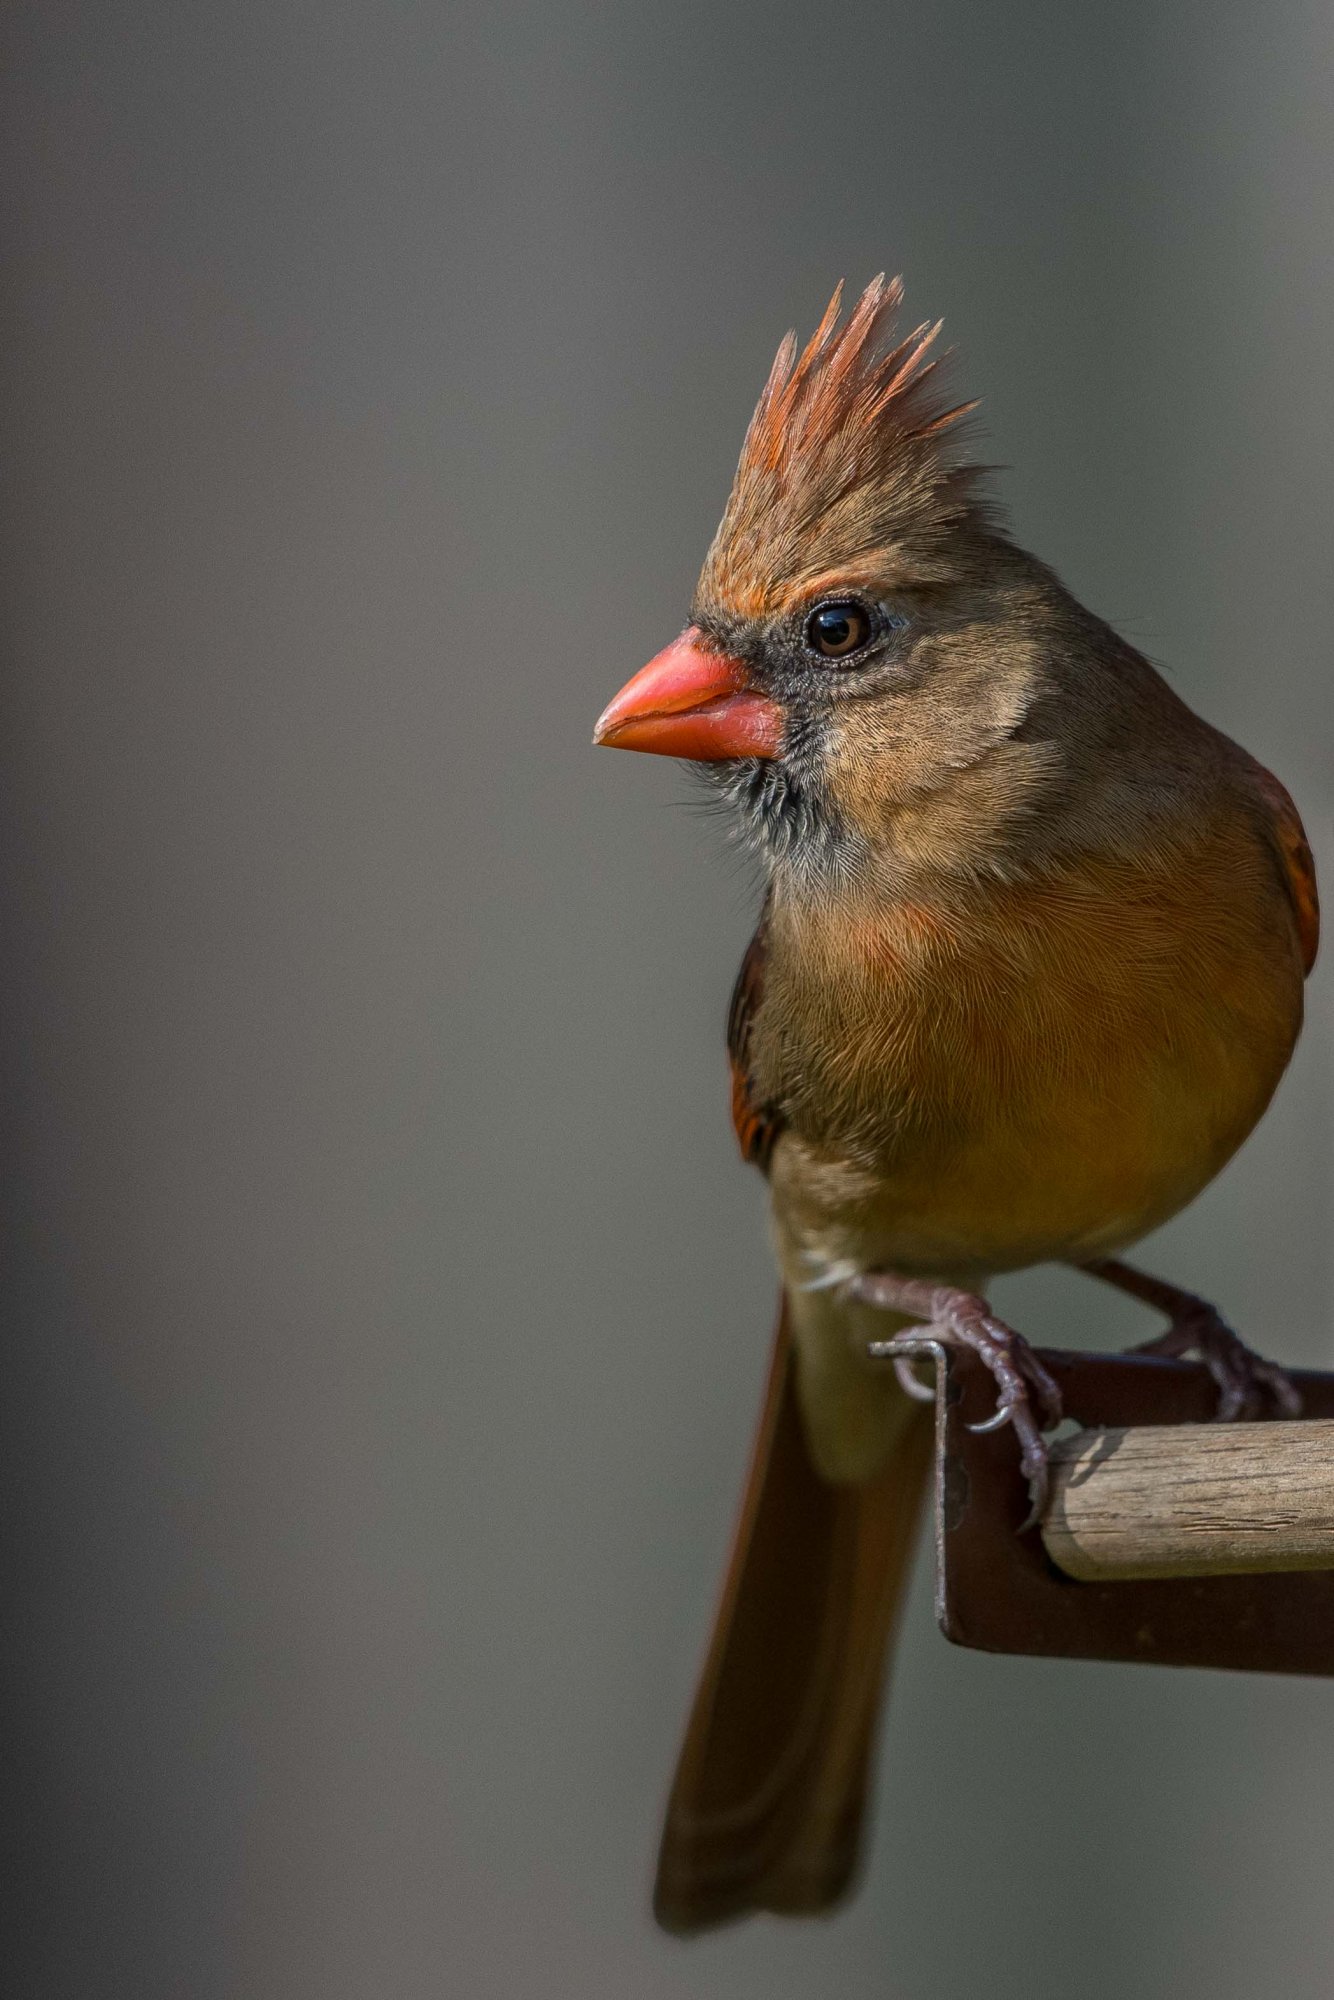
[{"x": 690, "y": 702}]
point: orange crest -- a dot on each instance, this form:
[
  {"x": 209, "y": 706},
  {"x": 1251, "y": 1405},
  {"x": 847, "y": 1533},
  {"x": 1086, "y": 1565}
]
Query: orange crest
[{"x": 845, "y": 462}]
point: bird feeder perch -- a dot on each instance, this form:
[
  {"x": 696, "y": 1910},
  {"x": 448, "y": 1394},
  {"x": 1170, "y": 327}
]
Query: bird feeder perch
[{"x": 1166, "y": 1537}]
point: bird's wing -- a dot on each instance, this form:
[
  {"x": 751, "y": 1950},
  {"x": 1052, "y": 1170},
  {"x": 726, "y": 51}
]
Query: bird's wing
[
  {"x": 756, "y": 1124},
  {"x": 1294, "y": 854}
]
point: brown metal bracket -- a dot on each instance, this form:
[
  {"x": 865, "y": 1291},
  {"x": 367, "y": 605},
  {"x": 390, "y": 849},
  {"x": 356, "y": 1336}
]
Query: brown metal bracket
[{"x": 996, "y": 1588}]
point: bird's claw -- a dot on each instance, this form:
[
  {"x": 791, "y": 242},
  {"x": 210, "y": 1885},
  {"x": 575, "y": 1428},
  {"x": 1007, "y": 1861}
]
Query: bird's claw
[
  {"x": 995, "y": 1423},
  {"x": 911, "y": 1384},
  {"x": 1244, "y": 1378},
  {"x": 1027, "y": 1397}
]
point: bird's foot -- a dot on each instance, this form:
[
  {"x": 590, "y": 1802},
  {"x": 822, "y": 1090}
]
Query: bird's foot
[
  {"x": 1026, "y": 1396},
  {"x": 1246, "y": 1381}
]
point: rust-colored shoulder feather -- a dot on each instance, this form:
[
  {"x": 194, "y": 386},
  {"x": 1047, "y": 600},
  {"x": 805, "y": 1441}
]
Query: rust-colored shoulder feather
[
  {"x": 756, "y": 1124},
  {"x": 846, "y": 458},
  {"x": 1296, "y": 862}
]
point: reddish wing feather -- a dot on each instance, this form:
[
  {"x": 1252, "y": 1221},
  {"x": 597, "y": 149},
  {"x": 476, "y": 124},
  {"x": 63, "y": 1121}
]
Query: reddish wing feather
[
  {"x": 1294, "y": 853},
  {"x": 757, "y": 1125}
]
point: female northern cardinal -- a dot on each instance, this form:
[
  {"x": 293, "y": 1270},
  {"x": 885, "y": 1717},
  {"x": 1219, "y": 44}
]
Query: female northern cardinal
[{"x": 1028, "y": 970}]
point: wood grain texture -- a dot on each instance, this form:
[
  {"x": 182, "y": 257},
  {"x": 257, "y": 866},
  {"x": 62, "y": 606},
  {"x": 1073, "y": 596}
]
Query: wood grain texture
[{"x": 1192, "y": 1500}]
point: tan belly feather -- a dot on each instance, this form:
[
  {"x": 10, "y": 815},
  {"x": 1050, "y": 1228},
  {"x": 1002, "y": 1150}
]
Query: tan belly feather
[{"x": 1049, "y": 1073}]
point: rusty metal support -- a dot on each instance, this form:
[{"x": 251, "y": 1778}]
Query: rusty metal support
[{"x": 998, "y": 1589}]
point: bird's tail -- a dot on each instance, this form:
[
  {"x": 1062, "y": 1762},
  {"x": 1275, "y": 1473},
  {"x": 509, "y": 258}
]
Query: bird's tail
[{"x": 766, "y": 1807}]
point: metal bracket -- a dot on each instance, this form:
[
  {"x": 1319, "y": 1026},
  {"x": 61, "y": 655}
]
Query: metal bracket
[{"x": 996, "y": 1589}]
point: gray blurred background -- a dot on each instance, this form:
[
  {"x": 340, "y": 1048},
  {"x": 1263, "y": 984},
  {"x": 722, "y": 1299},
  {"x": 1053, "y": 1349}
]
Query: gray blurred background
[{"x": 384, "y": 1311}]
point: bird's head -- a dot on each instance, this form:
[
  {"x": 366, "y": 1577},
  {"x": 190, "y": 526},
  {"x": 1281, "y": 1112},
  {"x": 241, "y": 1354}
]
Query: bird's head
[{"x": 860, "y": 644}]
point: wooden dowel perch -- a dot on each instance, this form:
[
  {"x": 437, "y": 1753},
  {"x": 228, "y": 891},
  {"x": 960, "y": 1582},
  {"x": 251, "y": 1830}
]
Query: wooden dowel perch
[{"x": 1166, "y": 1500}]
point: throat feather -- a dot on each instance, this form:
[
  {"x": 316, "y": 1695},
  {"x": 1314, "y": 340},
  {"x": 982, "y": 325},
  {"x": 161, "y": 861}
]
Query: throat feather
[{"x": 783, "y": 815}]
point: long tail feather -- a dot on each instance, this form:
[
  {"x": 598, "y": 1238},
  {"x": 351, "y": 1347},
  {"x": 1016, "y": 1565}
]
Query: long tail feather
[{"x": 766, "y": 1808}]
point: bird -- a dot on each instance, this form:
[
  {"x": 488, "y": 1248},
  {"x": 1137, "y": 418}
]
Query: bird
[{"x": 1028, "y": 968}]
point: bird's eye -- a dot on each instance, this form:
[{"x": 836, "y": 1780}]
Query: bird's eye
[{"x": 838, "y": 629}]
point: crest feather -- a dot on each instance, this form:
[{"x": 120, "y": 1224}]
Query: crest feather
[{"x": 846, "y": 456}]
